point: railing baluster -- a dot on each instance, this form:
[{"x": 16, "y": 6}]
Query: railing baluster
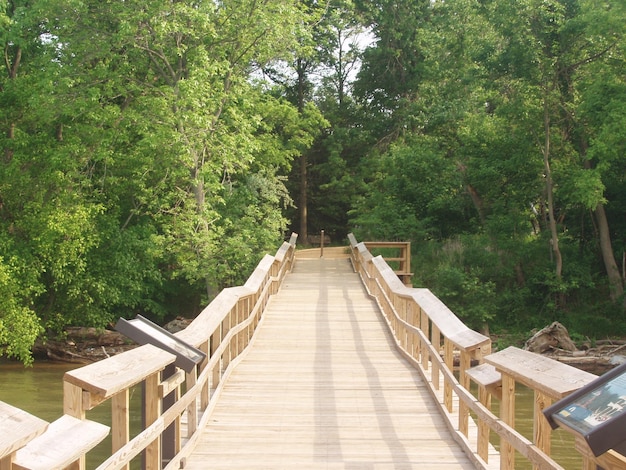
[
  {"x": 435, "y": 339},
  {"x": 507, "y": 413},
  {"x": 448, "y": 355},
  {"x": 464, "y": 380},
  {"x": 192, "y": 409},
  {"x": 152, "y": 411},
  {"x": 541, "y": 431},
  {"x": 120, "y": 421}
]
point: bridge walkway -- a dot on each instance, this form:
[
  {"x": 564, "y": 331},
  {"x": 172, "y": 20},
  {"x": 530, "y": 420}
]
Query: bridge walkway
[{"x": 322, "y": 387}]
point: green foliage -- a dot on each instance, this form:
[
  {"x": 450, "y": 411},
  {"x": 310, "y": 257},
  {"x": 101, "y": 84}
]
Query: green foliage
[
  {"x": 416, "y": 191},
  {"x": 465, "y": 294},
  {"x": 19, "y": 325},
  {"x": 459, "y": 273},
  {"x": 138, "y": 159},
  {"x": 251, "y": 226},
  {"x": 494, "y": 91},
  {"x": 145, "y": 157}
]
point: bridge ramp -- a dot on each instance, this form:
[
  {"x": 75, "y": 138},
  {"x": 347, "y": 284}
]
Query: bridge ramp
[{"x": 322, "y": 387}]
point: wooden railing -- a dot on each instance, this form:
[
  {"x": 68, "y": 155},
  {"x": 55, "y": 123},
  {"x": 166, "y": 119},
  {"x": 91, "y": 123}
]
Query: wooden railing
[
  {"x": 223, "y": 330},
  {"x": 439, "y": 344},
  {"x": 403, "y": 257},
  {"x": 446, "y": 352}
]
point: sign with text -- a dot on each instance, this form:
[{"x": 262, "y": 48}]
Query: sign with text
[{"x": 597, "y": 412}]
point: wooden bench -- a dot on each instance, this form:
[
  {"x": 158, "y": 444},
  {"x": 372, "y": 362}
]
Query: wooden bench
[{"x": 64, "y": 442}]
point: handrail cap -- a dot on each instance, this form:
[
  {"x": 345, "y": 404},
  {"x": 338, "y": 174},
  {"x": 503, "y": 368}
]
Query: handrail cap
[
  {"x": 116, "y": 373},
  {"x": 551, "y": 377}
]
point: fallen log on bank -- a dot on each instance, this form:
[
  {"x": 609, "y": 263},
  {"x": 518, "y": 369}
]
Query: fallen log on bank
[
  {"x": 554, "y": 341},
  {"x": 84, "y": 345}
]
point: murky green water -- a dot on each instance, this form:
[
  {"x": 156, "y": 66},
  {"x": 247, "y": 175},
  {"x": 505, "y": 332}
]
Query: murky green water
[
  {"x": 39, "y": 390},
  {"x": 562, "y": 442}
]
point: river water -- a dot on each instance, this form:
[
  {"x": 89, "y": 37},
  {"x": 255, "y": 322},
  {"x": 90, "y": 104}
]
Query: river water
[
  {"x": 39, "y": 390},
  {"x": 562, "y": 442}
]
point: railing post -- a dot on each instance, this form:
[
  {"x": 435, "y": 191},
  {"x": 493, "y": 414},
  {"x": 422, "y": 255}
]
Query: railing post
[
  {"x": 464, "y": 380},
  {"x": 541, "y": 428},
  {"x": 448, "y": 355},
  {"x": 151, "y": 412},
  {"x": 73, "y": 406},
  {"x": 205, "y": 395},
  {"x": 216, "y": 375},
  {"x": 507, "y": 413},
  {"x": 73, "y": 400},
  {"x": 322, "y": 244},
  {"x": 170, "y": 444},
  {"x": 424, "y": 346},
  {"x": 120, "y": 421},
  {"x": 192, "y": 410},
  {"x": 435, "y": 340},
  {"x": 483, "y": 428}
]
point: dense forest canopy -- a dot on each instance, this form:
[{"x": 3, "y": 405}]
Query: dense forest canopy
[{"x": 152, "y": 151}]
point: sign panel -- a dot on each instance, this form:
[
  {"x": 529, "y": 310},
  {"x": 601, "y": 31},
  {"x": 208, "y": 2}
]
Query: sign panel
[
  {"x": 597, "y": 412},
  {"x": 143, "y": 331}
]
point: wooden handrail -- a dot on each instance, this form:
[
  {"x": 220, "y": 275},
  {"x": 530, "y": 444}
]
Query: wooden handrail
[
  {"x": 403, "y": 259},
  {"x": 222, "y": 330},
  {"x": 550, "y": 380},
  {"x": 430, "y": 336}
]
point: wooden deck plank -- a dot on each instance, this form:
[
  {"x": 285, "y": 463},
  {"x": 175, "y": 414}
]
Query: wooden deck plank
[{"x": 323, "y": 387}]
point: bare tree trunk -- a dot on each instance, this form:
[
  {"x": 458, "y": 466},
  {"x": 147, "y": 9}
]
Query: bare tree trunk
[
  {"x": 478, "y": 203},
  {"x": 303, "y": 202},
  {"x": 554, "y": 237},
  {"x": 12, "y": 64},
  {"x": 612, "y": 271},
  {"x": 303, "y": 199}
]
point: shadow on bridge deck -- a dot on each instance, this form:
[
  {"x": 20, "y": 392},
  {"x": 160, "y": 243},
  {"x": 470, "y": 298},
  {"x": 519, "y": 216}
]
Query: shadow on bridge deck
[{"x": 322, "y": 386}]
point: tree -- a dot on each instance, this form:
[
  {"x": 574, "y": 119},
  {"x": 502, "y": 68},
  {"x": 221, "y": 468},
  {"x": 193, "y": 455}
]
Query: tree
[
  {"x": 502, "y": 92},
  {"x": 564, "y": 39},
  {"x": 322, "y": 62},
  {"x": 602, "y": 112},
  {"x": 134, "y": 136}
]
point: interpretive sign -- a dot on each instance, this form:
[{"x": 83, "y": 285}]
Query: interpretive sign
[
  {"x": 597, "y": 412},
  {"x": 143, "y": 331}
]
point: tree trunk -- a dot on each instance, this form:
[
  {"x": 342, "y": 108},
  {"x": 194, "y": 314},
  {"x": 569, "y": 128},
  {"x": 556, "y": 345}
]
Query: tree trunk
[
  {"x": 303, "y": 199},
  {"x": 12, "y": 68},
  {"x": 615, "y": 280},
  {"x": 478, "y": 203},
  {"x": 554, "y": 237}
]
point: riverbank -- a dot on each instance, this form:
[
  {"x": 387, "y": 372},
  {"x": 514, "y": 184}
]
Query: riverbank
[
  {"x": 84, "y": 345},
  {"x": 87, "y": 345},
  {"x": 594, "y": 356}
]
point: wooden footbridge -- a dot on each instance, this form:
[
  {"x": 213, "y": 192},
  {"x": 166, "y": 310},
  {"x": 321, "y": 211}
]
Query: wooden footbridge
[{"x": 315, "y": 363}]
